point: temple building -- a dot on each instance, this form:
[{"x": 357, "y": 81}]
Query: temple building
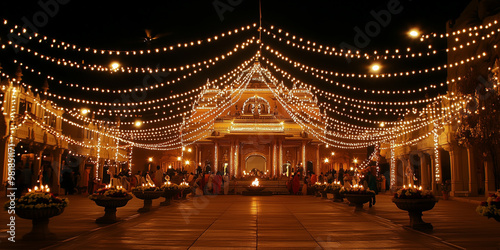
[{"x": 248, "y": 127}]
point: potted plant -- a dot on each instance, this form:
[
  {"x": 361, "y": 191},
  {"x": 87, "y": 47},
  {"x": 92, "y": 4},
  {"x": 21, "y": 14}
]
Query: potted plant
[
  {"x": 320, "y": 189},
  {"x": 110, "y": 198},
  {"x": 358, "y": 195},
  {"x": 445, "y": 189},
  {"x": 335, "y": 189},
  {"x": 147, "y": 192},
  {"x": 415, "y": 201},
  {"x": 169, "y": 191},
  {"x": 491, "y": 207},
  {"x": 38, "y": 205},
  {"x": 185, "y": 189}
]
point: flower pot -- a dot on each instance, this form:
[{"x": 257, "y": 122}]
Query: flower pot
[
  {"x": 169, "y": 194},
  {"x": 110, "y": 204},
  {"x": 337, "y": 196},
  {"x": 359, "y": 199},
  {"x": 415, "y": 207},
  {"x": 148, "y": 197},
  {"x": 323, "y": 194},
  {"x": 255, "y": 189},
  {"x": 185, "y": 192},
  {"x": 40, "y": 222}
]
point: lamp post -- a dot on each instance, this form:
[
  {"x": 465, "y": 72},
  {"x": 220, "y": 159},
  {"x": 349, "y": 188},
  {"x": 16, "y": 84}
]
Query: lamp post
[
  {"x": 150, "y": 160},
  {"x": 333, "y": 156},
  {"x": 327, "y": 161}
]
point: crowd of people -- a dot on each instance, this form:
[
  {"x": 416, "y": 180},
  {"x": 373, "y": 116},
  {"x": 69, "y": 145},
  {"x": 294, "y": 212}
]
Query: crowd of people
[
  {"x": 299, "y": 182},
  {"x": 202, "y": 182}
]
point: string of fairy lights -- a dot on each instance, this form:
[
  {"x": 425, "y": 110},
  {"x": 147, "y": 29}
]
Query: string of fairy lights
[
  {"x": 19, "y": 30},
  {"x": 332, "y": 118},
  {"x": 312, "y": 46},
  {"x": 115, "y": 68}
]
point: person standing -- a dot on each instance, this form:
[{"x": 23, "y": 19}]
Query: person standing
[
  {"x": 372, "y": 179},
  {"x": 314, "y": 178},
  {"x": 217, "y": 183},
  {"x": 296, "y": 183},
  {"x": 139, "y": 179},
  {"x": 67, "y": 181},
  {"x": 304, "y": 187},
  {"x": 341, "y": 175},
  {"x": 158, "y": 176},
  {"x": 226, "y": 184}
]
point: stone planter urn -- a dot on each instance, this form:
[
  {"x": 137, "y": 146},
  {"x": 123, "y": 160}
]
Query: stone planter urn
[
  {"x": 148, "y": 197},
  {"x": 323, "y": 194},
  {"x": 358, "y": 200},
  {"x": 497, "y": 218},
  {"x": 185, "y": 192},
  {"x": 40, "y": 222},
  {"x": 110, "y": 204},
  {"x": 337, "y": 196},
  {"x": 415, "y": 207},
  {"x": 169, "y": 194}
]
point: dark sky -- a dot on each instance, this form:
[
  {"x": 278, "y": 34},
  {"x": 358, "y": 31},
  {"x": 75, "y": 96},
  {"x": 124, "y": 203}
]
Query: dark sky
[
  {"x": 121, "y": 25},
  {"x": 114, "y": 24}
]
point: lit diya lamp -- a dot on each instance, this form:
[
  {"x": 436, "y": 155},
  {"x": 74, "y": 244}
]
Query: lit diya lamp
[{"x": 255, "y": 186}]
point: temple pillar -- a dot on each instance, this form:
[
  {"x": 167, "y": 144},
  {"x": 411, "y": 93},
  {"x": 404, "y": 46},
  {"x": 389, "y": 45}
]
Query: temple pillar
[
  {"x": 236, "y": 159},
  {"x": 472, "y": 172},
  {"x": 303, "y": 155},
  {"x": 196, "y": 159},
  {"x": 317, "y": 171},
  {"x": 37, "y": 167},
  {"x": 434, "y": 182},
  {"x": 231, "y": 160},
  {"x": 56, "y": 166},
  {"x": 404, "y": 163},
  {"x": 424, "y": 171},
  {"x": 489, "y": 178},
  {"x": 216, "y": 156},
  {"x": 456, "y": 173},
  {"x": 280, "y": 158},
  {"x": 275, "y": 158}
]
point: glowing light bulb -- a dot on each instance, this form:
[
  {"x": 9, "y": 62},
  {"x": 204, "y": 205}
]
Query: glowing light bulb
[
  {"x": 375, "y": 67},
  {"x": 85, "y": 111},
  {"x": 414, "y": 33},
  {"x": 115, "y": 65}
]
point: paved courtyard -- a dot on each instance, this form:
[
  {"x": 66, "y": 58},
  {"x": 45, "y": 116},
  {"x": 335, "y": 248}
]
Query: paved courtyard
[{"x": 302, "y": 222}]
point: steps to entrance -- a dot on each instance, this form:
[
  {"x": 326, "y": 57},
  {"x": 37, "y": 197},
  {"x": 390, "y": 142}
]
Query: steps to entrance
[{"x": 273, "y": 186}]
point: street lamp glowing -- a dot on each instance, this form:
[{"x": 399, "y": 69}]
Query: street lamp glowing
[
  {"x": 179, "y": 158},
  {"x": 326, "y": 160},
  {"x": 187, "y": 162},
  {"x": 115, "y": 66},
  {"x": 150, "y": 159},
  {"x": 355, "y": 161},
  {"x": 375, "y": 67},
  {"x": 138, "y": 123},
  {"x": 414, "y": 33},
  {"x": 189, "y": 150},
  {"x": 183, "y": 148},
  {"x": 333, "y": 153}
]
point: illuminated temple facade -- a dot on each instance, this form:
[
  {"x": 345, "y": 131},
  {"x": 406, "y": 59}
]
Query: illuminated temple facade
[{"x": 253, "y": 130}]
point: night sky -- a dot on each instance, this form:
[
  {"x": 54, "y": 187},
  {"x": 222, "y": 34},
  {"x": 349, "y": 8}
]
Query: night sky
[{"x": 120, "y": 25}]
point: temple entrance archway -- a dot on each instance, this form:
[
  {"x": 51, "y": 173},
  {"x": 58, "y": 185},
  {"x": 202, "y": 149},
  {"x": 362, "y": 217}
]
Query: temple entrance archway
[{"x": 256, "y": 161}]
